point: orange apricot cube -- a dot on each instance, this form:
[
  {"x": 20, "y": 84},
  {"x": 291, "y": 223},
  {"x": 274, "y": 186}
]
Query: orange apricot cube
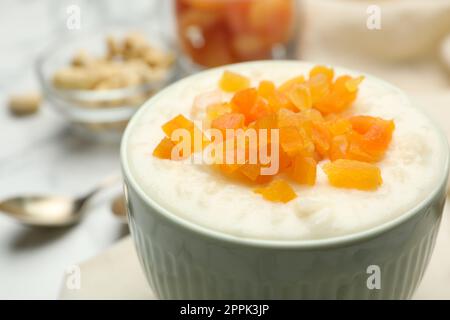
[
  {"x": 362, "y": 124},
  {"x": 232, "y": 82},
  {"x": 228, "y": 121},
  {"x": 321, "y": 137},
  {"x": 310, "y": 115},
  {"x": 288, "y": 118},
  {"x": 267, "y": 122},
  {"x": 322, "y": 70},
  {"x": 276, "y": 99},
  {"x": 357, "y": 149},
  {"x": 244, "y": 99},
  {"x": 266, "y": 89},
  {"x": 300, "y": 96},
  {"x": 164, "y": 149},
  {"x": 338, "y": 147},
  {"x": 319, "y": 86},
  {"x": 180, "y": 122},
  {"x": 352, "y": 174},
  {"x": 251, "y": 171},
  {"x": 250, "y": 104},
  {"x": 289, "y": 84},
  {"x": 277, "y": 191},
  {"x": 215, "y": 110},
  {"x": 303, "y": 170},
  {"x": 352, "y": 84},
  {"x": 281, "y": 160},
  {"x": 371, "y": 137},
  {"x": 376, "y": 131},
  {"x": 342, "y": 94},
  {"x": 339, "y": 127},
  {"x": 229, "y": 168},
  {"x": 291, "y": 140}
]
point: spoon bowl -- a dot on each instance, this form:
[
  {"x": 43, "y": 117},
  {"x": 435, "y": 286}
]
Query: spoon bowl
[
  {"x": 48, "y": 211},
  {"x": 51, "y": 211}
]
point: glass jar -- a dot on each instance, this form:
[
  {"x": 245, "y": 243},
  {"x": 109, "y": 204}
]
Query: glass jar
[{"x": 218, "y": 32}]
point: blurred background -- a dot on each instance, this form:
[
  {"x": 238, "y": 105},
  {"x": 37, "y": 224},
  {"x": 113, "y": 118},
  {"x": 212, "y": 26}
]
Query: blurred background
[{"x": 73, "y": 72}]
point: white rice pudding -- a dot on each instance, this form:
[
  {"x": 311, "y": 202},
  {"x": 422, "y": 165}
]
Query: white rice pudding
[{"x": 410, "y": 169}]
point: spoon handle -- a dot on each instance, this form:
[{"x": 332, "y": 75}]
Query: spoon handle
[{"x": 107, "y": 182}]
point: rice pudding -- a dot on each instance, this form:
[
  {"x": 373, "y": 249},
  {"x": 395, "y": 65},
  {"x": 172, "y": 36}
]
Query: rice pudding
[{"x": 410, "y": 168}]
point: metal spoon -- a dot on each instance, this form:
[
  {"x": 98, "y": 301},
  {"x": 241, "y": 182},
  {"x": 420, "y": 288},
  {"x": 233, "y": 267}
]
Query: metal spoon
[{"x": 51, "y": 211}]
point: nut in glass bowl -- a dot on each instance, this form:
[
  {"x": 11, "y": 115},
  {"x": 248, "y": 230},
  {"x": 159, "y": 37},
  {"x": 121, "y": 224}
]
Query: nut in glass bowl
[{"x": 98, "y": 80}]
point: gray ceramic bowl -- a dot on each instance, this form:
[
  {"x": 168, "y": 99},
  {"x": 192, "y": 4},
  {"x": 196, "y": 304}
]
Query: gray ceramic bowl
[{"x": 183, "y": 260}]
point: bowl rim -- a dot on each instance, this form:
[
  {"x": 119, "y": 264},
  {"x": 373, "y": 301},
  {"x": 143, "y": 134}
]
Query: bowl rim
[{"x": 342, "y": 240}]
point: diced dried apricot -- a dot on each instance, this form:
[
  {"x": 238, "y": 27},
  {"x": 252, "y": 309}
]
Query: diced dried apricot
[
  {"x": 291, "y": 140},
  {"x": 180, "y": 122},
  {"x": 164, "y": 149},
  {"x": 267, "y": 122},
  {"x": 288, "y": 118},
  {"x": 289, "y": 84},
  {"x": 377, "y": 132},
  {"x": 321, "y": 137},
  {"x": 342, "y": 94},
  {"x": 353, "y": 174},
  {"x": 310, "y": 115},
  {"x": 307, "y": 117},
  {"x": 323, "y": 70},
  {"x": 362, "y": 124},
  {"x": 228, "y": 121},
  {"x": 244, "y": 99},
  {"x": 232, "y": 82},
  {"x": 300, "y": 96},
  {"x": 352, "y": 84},
  {"x": 303, "y": 170},
  {"x": 280, "y": 160},
  {"x": 357, "y": 149},
  {"x": 266, "y": 89},
  {"x": 215, "y": 110},
  {"x": 281, "y": 101},
  {"x": 251, "y": 171},
  {"x": 371, "y": 138},
  {"x": 276, "y": 99},
  {"x": 319, "y": 86},
  {"x": 338, "y": 147},
  {"x": 250, "y": 104},
  {"x": 277, "y": 191},
  {"x": 339, "y": 126}
]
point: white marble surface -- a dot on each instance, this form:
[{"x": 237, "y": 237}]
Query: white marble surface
[{"x": 39, "y": 153}]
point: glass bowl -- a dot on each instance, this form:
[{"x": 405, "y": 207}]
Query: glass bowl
[{"x": 99, "y": 113}]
